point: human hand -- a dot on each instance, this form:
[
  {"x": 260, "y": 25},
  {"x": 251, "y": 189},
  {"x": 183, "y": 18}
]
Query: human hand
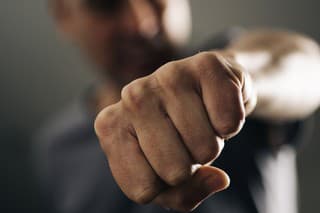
[{"x": 172, "y": 120}]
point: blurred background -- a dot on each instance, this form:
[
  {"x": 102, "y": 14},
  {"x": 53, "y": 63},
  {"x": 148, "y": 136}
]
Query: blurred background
[{"x": 40, "y": 73}]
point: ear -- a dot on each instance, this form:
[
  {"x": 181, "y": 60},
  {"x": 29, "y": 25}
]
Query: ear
[{"x": 61, "y": 12}]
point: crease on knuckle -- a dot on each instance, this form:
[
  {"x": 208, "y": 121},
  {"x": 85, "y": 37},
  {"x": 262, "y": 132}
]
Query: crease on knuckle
[
  {"x": 236, "y": 74},
  {"x": 240, "y": 75},
  {"x": 232, "y": 68}
]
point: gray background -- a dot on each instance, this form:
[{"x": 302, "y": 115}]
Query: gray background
[{"x": 40, "y": 73}]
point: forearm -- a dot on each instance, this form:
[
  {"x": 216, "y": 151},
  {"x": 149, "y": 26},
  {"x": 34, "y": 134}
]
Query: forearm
[{"x": 285, "y": 69}]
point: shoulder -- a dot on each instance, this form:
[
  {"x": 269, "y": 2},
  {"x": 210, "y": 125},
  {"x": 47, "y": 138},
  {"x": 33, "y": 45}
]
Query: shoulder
[{"x": 69, "y": 124}]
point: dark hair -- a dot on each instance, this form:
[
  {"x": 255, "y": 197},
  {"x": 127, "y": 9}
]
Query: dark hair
[{"x": 104, "y": 5}]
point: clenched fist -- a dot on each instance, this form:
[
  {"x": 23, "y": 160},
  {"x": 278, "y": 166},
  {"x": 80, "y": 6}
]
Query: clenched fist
[{"x": 169, "y": 126}]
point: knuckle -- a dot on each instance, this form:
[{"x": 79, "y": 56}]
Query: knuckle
[
  {"x": 172, "y": 65},
  {"x": 232, "y": 126},
  {"x": 233, "y": 116},
  {"x": 178, "y": 175},
  {"x": 106, "y": 121},
  {"x": 207, "y": 153},
  {"x": 168, "y": 75},
  {"x": 134, "y": 94},
  {"x": 235, "y": 73},
  {"x": 105, "y": 124},
  {"x": 176, "y": 76},
  {"x": 207, "y": 58},
  {"x": 208, "y": 147},
  {"x": 205, "y": 63},
  {"x": 209, "y": 62},
  {"x": 240, "y": 74}
]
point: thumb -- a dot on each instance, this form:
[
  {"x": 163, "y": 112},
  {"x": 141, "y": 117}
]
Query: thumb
[
  {"x": 211, "y": 178},
  {"x": 187, "y": 196}
]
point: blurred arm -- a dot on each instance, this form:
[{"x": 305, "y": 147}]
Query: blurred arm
[{"x": 285, "y": 68}]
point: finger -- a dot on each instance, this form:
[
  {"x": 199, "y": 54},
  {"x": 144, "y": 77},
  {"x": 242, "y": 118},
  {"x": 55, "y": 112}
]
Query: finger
[
  {"x": 158, "y": 138},
  {"x": 222, "y": 92},
  {"x": 187, "y": 196},
  {"x": 188, "y": 114},
  {"x": 128, "y": 165},
  {"x": 249, "y": 95}
]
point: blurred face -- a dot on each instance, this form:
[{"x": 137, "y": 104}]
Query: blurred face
[{"x": 126, "y": 38}]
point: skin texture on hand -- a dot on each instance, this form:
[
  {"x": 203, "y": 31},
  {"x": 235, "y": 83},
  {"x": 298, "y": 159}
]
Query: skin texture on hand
[{"x": 171, "y": 120}]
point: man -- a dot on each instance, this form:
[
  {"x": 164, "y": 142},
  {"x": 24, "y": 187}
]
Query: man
[{"x": 161, "y": 132}]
